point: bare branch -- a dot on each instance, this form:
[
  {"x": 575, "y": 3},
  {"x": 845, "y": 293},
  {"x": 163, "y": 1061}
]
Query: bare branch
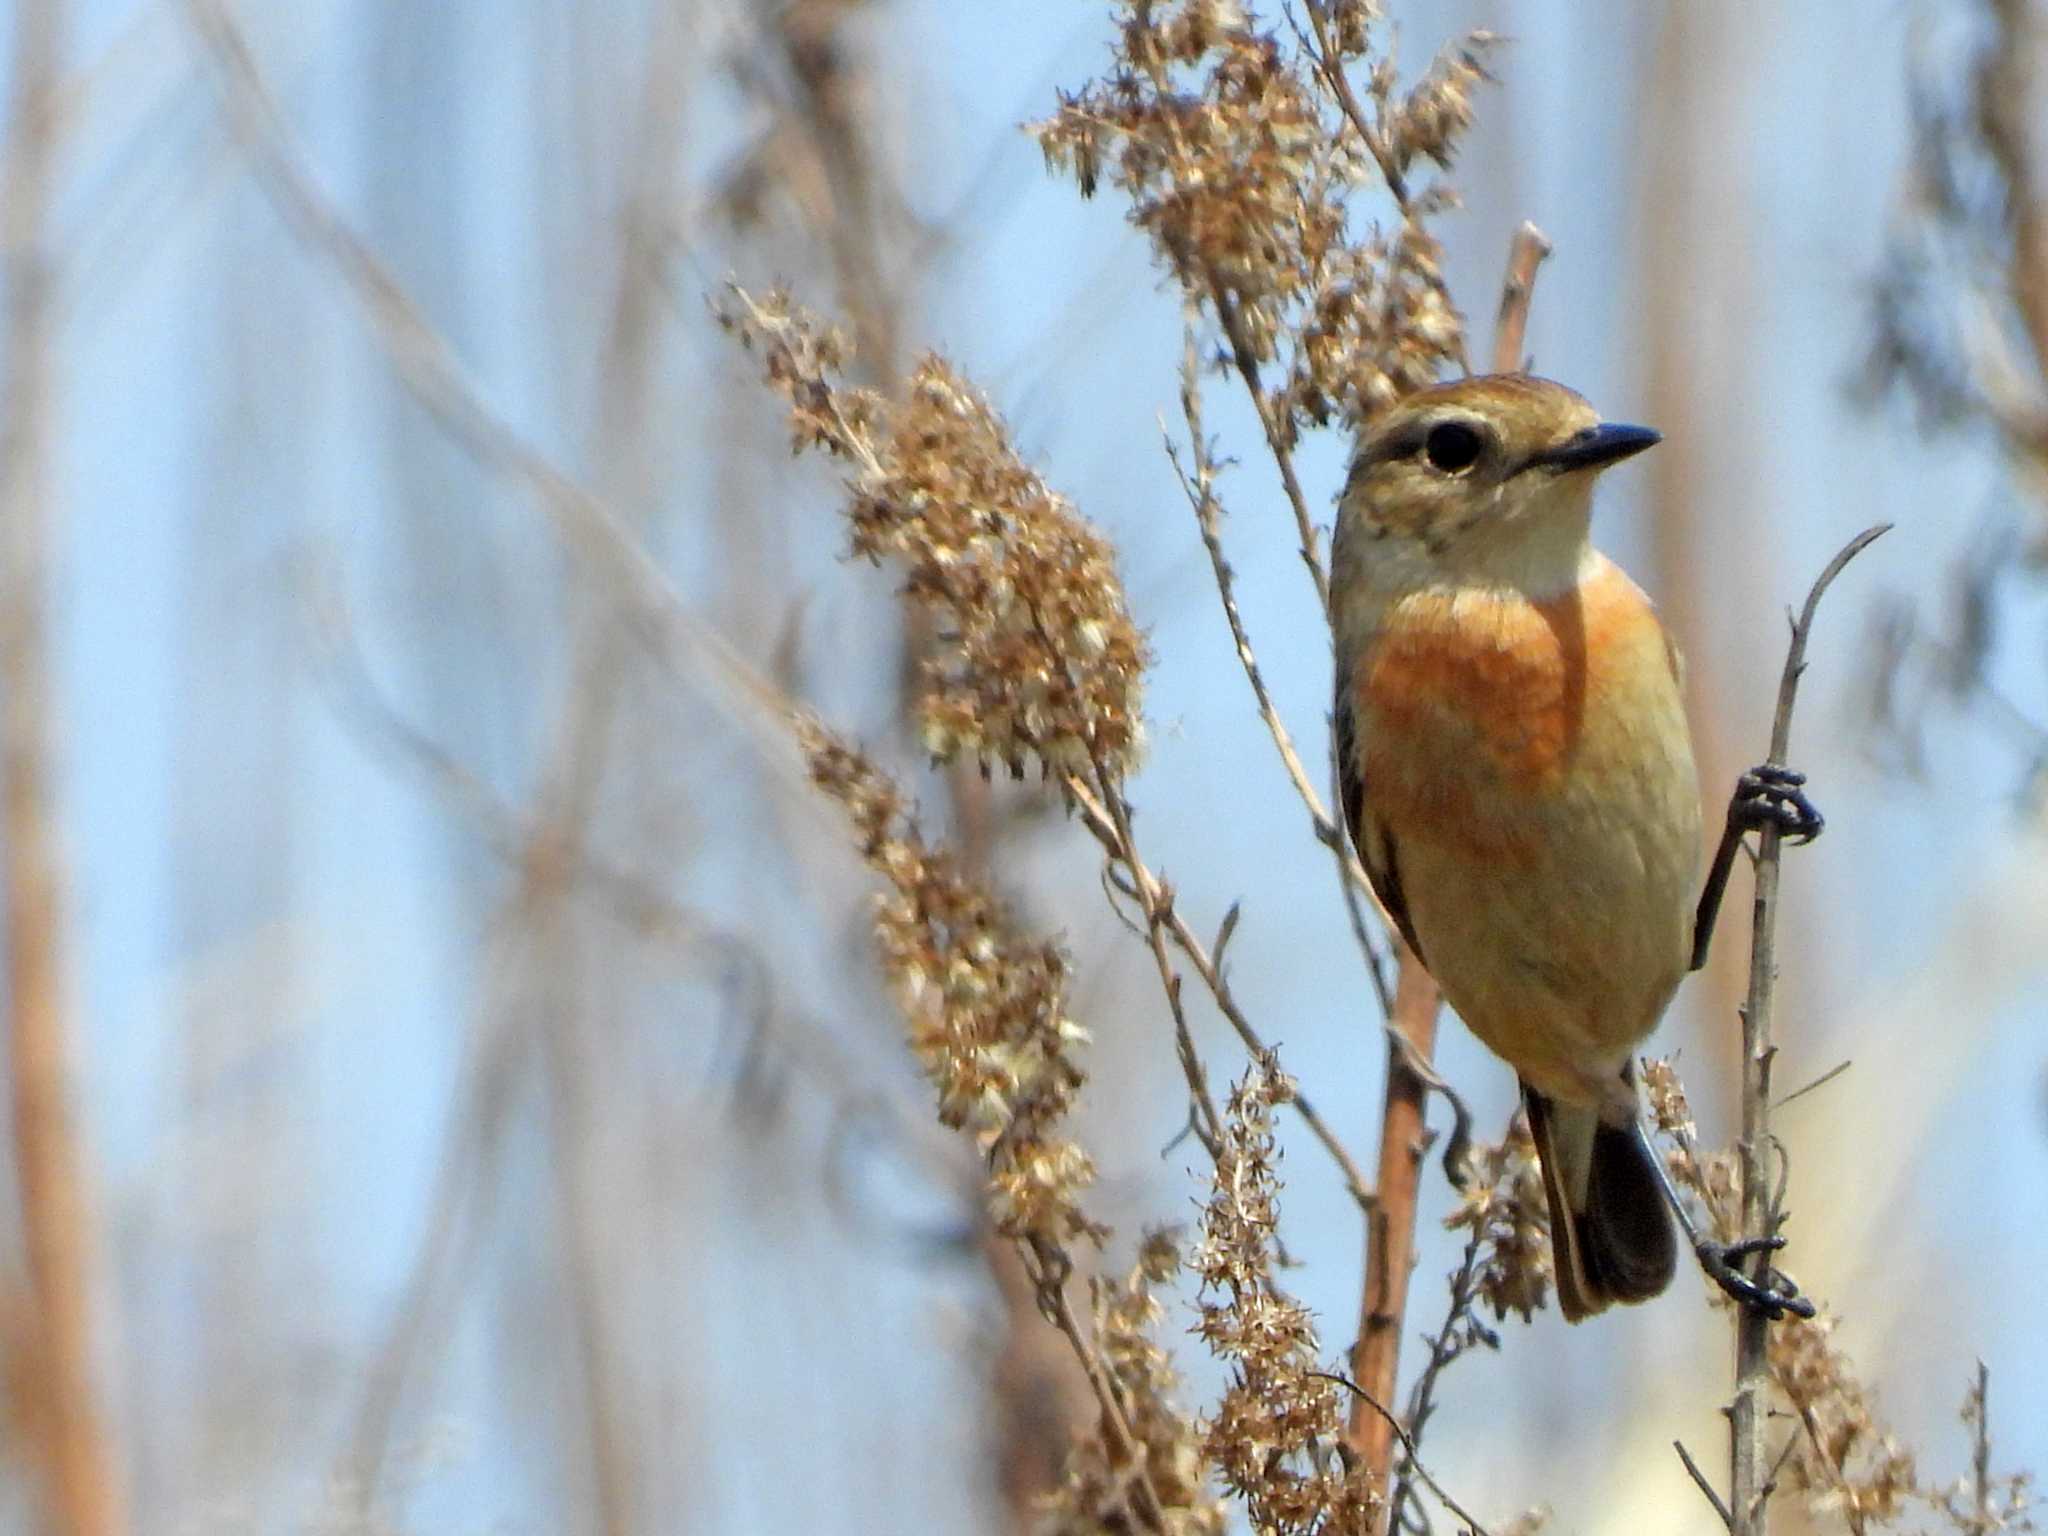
[{"x": 1748, "y": 1491}]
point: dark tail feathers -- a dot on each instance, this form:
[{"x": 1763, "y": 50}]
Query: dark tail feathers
[{"x": 1610, "y": 1234}]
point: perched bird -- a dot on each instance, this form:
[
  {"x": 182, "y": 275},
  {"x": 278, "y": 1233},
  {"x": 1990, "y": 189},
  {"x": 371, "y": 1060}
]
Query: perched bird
[{"x": 1518, "y": 776}]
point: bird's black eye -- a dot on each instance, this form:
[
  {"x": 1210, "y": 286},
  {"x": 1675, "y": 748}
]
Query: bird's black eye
[{"x": 1452, "y": 446}]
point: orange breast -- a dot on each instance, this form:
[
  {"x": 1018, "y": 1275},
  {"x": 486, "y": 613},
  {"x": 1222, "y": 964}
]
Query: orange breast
[{"x": 1475, "y": 704}]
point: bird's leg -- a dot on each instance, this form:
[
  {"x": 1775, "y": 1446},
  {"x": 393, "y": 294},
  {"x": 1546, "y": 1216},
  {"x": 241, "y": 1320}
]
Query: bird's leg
[
  {"x": 1766, "y": 796},
  {"x": 1774, "y": 1295}
]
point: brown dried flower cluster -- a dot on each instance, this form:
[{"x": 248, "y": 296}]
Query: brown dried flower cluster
[
  {"x": 1847, "y": 1463},
  {"x": 1503, "y": 1208},
  {"x": 986, "y": 1003},
  {"x": 1036, "y": 655},
  {"x": 1274, "y": 1439},
  {"x": 1239, "y": 152},
  {"x": 1093, "y": 1498}
]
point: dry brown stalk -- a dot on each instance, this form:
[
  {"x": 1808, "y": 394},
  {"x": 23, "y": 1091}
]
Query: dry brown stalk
[
  {"x": 2006, "y": 114},
  {"x": 81, "y": 1487},
  {"x": 1525, "y": 255},
  {"x": 1390, "y": 1244},
  {"x": 1748, "y": 1414}
]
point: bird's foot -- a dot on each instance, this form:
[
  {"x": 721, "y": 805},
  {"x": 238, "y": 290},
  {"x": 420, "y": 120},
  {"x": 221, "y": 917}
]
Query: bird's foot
[
  {"x": 1774, "y": 1295},
  {"x": 1771, "y": 796}
]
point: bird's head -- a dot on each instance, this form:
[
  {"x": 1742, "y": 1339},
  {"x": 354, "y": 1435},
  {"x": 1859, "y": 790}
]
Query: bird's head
[{"x": 1484, "y": 481}]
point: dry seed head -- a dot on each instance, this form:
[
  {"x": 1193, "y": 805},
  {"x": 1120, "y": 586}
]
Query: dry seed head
[
  {"x": 1036, "y": 656},
  {"x": 1093, "y": 1497},
  {"x": 1240, "y": 163},
  {"x": 1668, "y": 1104},
  {"x": 985, "y": 1002},
  {"x": 1273, "y": 1439},
  {"x": 1849, "y": 1465},
  {"x": 1504, "y": 1207},
  {"x": 1430, "y": 119}
]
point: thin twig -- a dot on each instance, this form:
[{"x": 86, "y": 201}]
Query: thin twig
[
  {"x": 1699, "y": 1479},
  {"x": 1407, "y": 1445},
  {"x": 1445, "y": 1346},
  {"x": 1154, "y": 896},
  {"x": 1331, "y": 68},
  {"x": 1199, "y": 485},
  {"x": 1279, "y": 437},
  {"x": 1748, "y": 1489},
  {"x": 1155, "y": 899},
  {"x": 1980, "y": 1450},
  {"x": 73, "y": 1442},
  {"x": 1048, "y": 1272},
  {"x": 1819, "y": 1082}
]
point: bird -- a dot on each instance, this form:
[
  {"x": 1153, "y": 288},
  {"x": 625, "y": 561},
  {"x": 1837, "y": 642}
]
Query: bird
[{"x": 1517, "y": 774}]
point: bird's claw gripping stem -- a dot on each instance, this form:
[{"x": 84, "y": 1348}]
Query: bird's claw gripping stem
[
  {"x": 1766, "y": 796},
  {"x": 1774, "y": 1296},
  {"x": 1771, "y": 796}
]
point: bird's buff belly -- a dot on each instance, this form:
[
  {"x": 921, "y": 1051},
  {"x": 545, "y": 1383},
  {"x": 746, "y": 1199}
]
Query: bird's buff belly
[
  {"x": 1556, "y": 914},
  {"x": 1561, "y": 962}
]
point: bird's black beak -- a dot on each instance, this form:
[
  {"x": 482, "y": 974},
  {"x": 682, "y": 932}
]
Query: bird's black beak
[{"x": 1597, "y": 447}]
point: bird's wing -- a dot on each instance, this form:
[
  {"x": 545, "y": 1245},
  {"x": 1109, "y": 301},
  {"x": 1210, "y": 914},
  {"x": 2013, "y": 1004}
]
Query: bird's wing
[{"x": 1375, "y": 844}]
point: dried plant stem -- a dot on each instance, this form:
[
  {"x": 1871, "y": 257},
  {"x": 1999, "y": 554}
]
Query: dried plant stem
[
  {"x": 1444, "y": 1347},
  {"x": 1390, "y": 1233},
  {"x": 2006, "y": 118},
  {"x": 1699, "y": 1479},
  {"x": 1980, "y": 1453},
  {"x": 1747, "y": 1414},
  {"x": 1155, "y": 900},
  {"x": 1198, "y": 483},
  {"x": 1370, "y": 1404},
  {"x": 1331, "y": 67},
  {"x": 82, "y": 1494},
  {"x": 1279, "y": 436},
  {"x": 1048, "y": 1274},
  {"x": 1511, "y": 331},
  {"x": 1107, "y": 817}
]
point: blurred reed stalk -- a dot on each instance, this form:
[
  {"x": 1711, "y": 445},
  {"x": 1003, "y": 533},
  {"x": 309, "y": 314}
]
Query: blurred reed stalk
[{"x": 70, "y": 1436}]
